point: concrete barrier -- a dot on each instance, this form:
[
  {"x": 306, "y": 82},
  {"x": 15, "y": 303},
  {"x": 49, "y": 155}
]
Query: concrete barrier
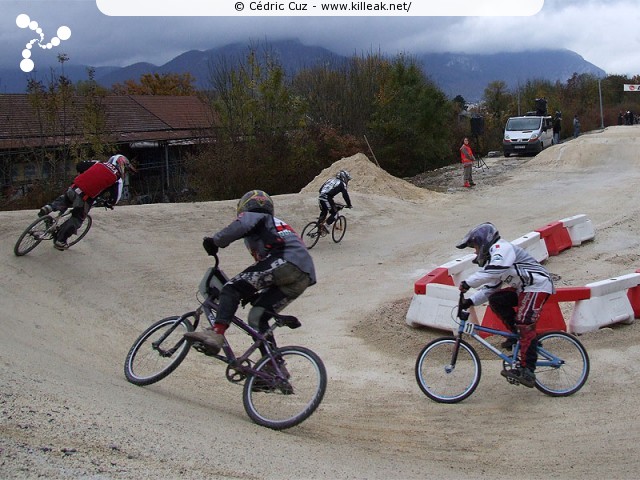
[{"x": 609, "y": 303}]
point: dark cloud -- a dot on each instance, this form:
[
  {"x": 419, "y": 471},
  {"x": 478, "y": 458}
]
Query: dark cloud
[{"x": 98, "y": 40}]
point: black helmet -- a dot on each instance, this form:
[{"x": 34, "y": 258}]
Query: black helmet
[
  {"x": 343, "y": 175},
  {"x": 482, "y": 237},
  {"x": 255, "y": 201}
]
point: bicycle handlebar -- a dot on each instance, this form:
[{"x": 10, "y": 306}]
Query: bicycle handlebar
[{"x": 462, "y": 314}]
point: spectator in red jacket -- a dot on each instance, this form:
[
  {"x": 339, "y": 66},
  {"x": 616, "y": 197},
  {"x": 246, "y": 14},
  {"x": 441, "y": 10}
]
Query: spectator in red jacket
[{"x": 467, "y": 158}]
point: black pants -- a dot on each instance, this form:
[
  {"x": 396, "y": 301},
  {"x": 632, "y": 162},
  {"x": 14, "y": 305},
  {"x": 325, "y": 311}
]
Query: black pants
[
  {"x": 80, "y": 208},
  {"x": 327, "y": 205},
  {"x": 270, "y": 285}
]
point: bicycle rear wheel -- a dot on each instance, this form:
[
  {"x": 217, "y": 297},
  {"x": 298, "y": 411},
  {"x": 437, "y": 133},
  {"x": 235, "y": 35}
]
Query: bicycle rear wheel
[
  {"x": 82, "y": 231},
  {"x": 158, "y": 351},
  {"x": 441, "y": 381},
  {"x": 33, "y": 235},
  {"x": 339, "y": 228},
  {"x": 311, "y": 235},
  {"x": 563, "y": 364},
  {"x": 281, "y": 403}
]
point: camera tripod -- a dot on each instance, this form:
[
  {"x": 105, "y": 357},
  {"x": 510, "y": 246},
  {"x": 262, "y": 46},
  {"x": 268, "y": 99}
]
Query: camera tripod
[{"x": 480, "y": 163}]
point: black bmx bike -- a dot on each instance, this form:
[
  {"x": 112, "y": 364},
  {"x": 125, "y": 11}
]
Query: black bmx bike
[
  {"x": 313, "y": 230},
  {"x": 46, "y": 228},
  {"x": 282, "y": 386},
  {"x": 448, "y": 369}
]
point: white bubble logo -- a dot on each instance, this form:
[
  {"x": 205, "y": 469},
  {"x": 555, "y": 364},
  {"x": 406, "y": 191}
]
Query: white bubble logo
[{"x": 23, "y": 21}]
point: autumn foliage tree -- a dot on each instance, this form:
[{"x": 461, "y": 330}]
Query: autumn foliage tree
[{"x": 158, "y": 84}]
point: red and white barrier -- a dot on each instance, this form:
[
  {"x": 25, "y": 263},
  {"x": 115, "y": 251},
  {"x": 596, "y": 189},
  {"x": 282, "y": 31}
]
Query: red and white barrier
[
  {"x": 610, "y": 302},
  {"x": 439, "y": 305},
  {"x": 580, "y": 229},
  {"x": 536, "y": 247}
]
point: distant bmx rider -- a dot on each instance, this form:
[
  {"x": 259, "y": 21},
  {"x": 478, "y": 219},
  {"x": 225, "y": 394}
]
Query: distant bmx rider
[
  {"x": 330, "y": 189},
  {"x": 95, "y": 179},
  {"x": 529, "y": 286}
]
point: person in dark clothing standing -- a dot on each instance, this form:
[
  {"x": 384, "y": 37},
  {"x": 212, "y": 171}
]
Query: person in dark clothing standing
[{"x": 557, "y": 126}]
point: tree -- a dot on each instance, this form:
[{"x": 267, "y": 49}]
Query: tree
[
  {"x": 410, "y": 123},
  {"x": 260, "y": 141},
  {"x": 158, "y": 84}
]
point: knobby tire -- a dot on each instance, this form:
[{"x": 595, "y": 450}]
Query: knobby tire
[
  {"x": 32, "y": 236},
  {"x": 568, "y": 377},
  {"x": 145, "y": 364},
  {"x": 339, "y": 228},
  {"x": 286, "y": 402},
  {"x": 438, "y": 380},
  {"x": 311, "y": 234}
]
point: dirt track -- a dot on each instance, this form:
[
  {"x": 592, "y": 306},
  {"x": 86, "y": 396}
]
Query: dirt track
[{"x": 69, "y": 319}]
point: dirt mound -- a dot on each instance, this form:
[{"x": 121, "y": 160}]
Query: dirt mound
[
  {"x": 369, "y": 178},
  {"x": 589, "y": 150}
]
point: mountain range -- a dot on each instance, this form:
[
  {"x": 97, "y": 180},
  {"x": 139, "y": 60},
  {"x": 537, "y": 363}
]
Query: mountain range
[{"x": 455, "y": 73}]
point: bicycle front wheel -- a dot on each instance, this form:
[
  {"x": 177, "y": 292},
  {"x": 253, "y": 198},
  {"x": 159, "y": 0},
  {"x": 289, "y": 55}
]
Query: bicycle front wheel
[
  {"x": 281, "y": 402},
  {"x": 82, "y": 231},
  {"x": 339, "y": 228},
  {"x": 563, "y": 364},
  {"x": 158, "y": 351},
  {"x": 311, "y": 235},
  {"x": 33, "y": 235},
  {"x": 442, "y": 381}
]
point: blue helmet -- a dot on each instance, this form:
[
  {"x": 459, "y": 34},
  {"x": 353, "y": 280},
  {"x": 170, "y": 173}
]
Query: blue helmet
[{"x": 481, "y": 237}]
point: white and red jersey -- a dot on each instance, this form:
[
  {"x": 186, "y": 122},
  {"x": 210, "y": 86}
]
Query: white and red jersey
[{"x": 513, "y": 266}]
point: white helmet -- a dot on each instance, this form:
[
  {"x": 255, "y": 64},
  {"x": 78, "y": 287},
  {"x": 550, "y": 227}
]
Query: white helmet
[
  {"x": 122, "y": 163},
  {"x": 343, "y": 175}
]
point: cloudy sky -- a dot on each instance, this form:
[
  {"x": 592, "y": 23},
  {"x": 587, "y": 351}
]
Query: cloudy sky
[{"x": 604, "y": 32}]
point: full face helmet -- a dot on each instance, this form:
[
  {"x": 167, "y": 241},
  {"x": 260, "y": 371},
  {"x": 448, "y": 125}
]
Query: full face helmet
[
  {"x": 255, "y": 201},
  {"x": 122, "y": 163},
  {"x": 481, "y": 237},
  {"x": 343, "y": 175}
]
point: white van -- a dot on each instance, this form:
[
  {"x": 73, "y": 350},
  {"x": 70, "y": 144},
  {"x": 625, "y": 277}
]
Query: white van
[{"x": 528, "y": 134}]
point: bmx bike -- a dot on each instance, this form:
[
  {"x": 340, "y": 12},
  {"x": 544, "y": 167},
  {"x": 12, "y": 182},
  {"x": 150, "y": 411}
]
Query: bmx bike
[
  {"x": 313, "y": 230},
  {"x": 448, "y": 369},
  {"x": 46, "y": 228},
  {"x": 283, "y": 386}
]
